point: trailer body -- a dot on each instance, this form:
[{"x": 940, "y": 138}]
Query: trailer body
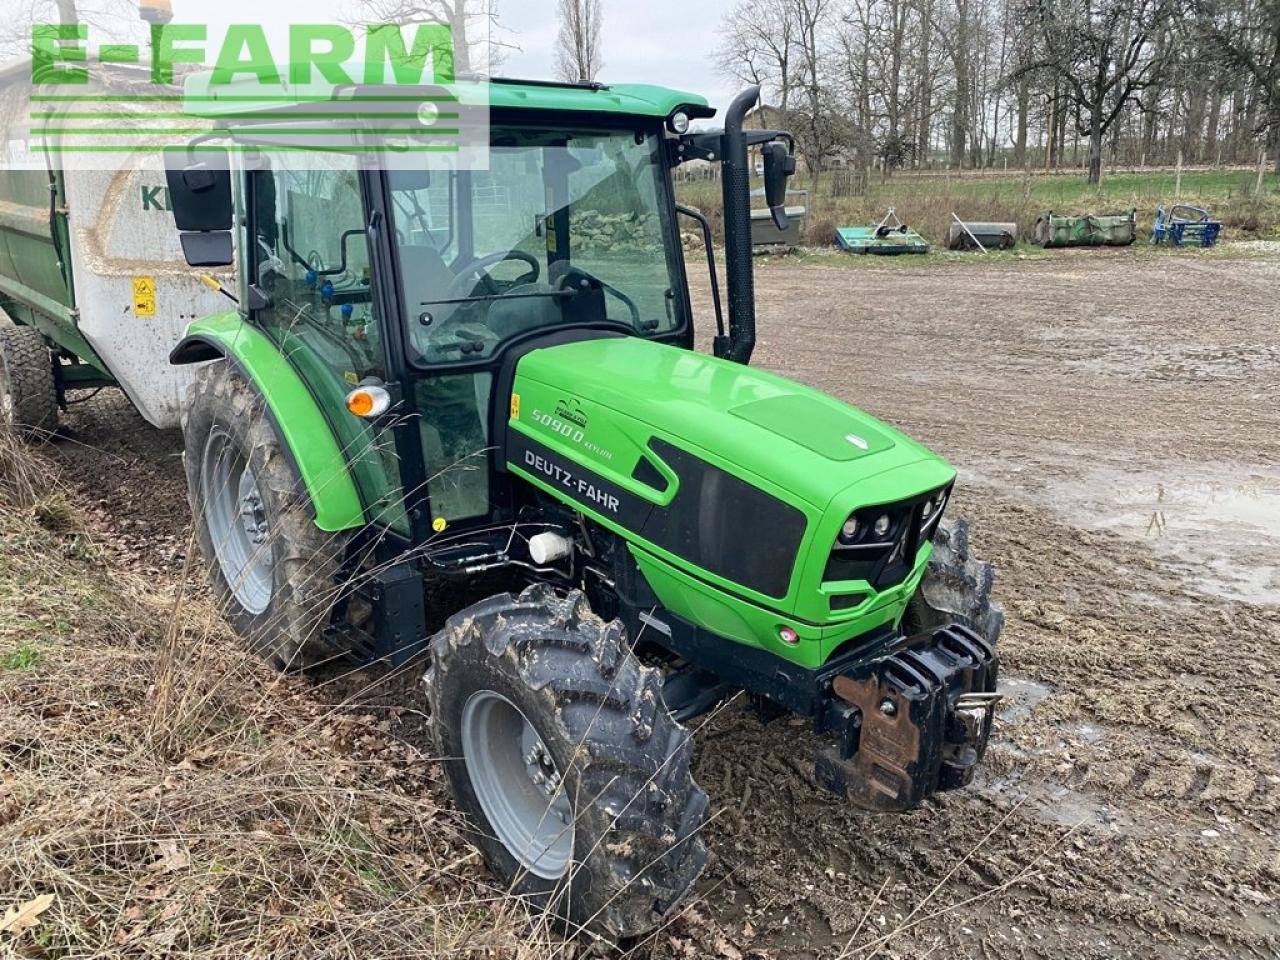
[{"x": 88, "y": 257}]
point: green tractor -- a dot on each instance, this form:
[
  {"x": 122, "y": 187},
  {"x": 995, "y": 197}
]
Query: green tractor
[{"x": 437, "y": 380}]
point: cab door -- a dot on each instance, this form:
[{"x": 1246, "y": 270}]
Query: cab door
[
  {"x": 311, "y": 254},
  {"x": 434, "y": 225}
]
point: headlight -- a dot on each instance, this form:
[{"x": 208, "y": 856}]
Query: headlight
[
  {"x": 932, "y": 513},
  {"x": 679, "y": 123},
  {"x": 849, "y": 532},
  {"x": 883, "y": 524}
]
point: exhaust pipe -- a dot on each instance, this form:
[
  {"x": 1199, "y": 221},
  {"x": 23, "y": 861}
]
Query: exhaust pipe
[{"x": 736, "y": 179}]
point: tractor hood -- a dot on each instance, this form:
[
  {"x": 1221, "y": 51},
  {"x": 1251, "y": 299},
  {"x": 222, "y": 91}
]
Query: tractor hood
[{"x": 602, "y": 402}]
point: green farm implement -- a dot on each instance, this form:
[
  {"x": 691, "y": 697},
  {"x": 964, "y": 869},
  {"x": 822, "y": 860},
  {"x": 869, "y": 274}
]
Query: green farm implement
[
  {"x": 889, "y": 237},
  {"x": 1120, "y": 230}
]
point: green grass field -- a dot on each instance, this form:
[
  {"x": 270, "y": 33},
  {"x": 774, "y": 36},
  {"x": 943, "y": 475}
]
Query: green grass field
[{"x": 926, "y": 202}]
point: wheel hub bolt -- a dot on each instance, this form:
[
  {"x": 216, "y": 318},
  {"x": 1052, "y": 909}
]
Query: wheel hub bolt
[{"x": 888, "y": 707}]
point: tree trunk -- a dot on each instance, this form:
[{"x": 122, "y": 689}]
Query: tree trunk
[
  {"x": 1274, "y": 135},
  {"x": 67, "y": 12},
  {"x": 892, "y": 98},
  {"x": 1236, "y": 136},
  {"x": 1060, "y": 114},
  {"x": 1213, "y": 129},
  {"x": 925, "y": 132},
  {"x": 1095, "y": 143},
  {"x": 1020, "y": 141},
  {"x": 963, "y": 94}
]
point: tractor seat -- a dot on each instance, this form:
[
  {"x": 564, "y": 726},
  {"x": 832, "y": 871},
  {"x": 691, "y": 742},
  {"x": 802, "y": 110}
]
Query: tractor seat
[
  {"x": 426, "y": 277},
  {"x": 507, "y": 318}
]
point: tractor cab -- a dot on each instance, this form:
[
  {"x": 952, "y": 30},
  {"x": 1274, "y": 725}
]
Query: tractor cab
[{"x": 427, "y": 284}]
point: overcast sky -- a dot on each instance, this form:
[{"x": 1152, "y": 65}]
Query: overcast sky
[{"x": 667, "y": 42}]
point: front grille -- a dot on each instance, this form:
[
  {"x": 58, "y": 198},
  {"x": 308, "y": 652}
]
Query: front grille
[
  {"x": 885, "y": 562},
  {"x": 725, "y": 525}
]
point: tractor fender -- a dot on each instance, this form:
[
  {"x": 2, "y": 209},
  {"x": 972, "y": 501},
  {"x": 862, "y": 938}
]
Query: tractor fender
[{"x": 294, "y": 413}]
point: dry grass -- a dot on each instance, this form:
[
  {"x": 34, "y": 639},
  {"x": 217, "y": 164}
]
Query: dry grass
[{"x": 178, "y": 799}]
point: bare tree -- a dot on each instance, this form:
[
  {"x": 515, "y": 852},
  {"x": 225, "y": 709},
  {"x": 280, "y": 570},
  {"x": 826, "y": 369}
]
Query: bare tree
[
  {"x": 578, "y": 45},
  {"x": 1106, "y": 55},
  {"x": 817, "y": 119},
  {"x": 107, "y": 19},
  {"x": 757, "y": 46},
  {"x": 478, "y": 46},
  {"x": 1248, "y": 37}
]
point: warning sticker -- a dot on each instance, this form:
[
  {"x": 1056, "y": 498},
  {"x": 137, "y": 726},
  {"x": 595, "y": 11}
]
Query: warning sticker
[{"x": 144, "y": 296}]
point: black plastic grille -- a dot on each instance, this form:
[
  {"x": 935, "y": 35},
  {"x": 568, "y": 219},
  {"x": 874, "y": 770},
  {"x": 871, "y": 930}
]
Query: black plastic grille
[
  {"x": 884, "y": 562},
  {"x": 727, "y": 526}
]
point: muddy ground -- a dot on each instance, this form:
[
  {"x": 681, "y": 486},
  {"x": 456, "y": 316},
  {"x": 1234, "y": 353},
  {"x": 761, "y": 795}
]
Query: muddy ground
[{"x": 1116, "y": 423}]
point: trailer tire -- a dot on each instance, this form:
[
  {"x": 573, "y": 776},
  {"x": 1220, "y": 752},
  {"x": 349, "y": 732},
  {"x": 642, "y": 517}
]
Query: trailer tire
[
  {"x": 287, "y": 588},
  {"x": 956, "y": 588},
  {"x": 28, "y": 391},
  {"x": 583, "y": 711}
]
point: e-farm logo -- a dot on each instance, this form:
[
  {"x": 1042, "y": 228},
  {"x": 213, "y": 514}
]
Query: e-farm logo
[
  {"x": 60, "y": 54},
  {"x": 385, "y": 89}
]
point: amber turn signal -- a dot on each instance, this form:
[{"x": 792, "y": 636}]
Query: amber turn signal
[{"x": 368, "y": 401}]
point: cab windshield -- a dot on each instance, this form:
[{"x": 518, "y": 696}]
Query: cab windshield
[{"x": 565, "y": 227}]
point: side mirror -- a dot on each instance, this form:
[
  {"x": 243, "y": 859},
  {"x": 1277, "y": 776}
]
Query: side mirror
[
  {"x": 779, "y": 166},
  {"x": 212, "y": 249},
  {"x": 200, "y": 197}
]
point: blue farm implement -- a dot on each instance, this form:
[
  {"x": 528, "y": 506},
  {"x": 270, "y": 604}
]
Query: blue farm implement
[{"x": 1185, "y": 226}]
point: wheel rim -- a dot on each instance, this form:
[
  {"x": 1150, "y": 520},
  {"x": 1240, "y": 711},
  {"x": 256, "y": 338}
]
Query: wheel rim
[
  {"x": 518, "y": 785},
  {"x": 6, "y": 392},
  {"x": 237, "y": 522}
]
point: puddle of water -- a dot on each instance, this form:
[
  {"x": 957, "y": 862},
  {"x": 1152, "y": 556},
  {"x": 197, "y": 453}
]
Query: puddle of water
[
  {"x": 1059, "y": 805},
  {"x": 1021, "y": 696},
  {"x": 1219, "y": 524},
  {"x": 1086, "y": 732}
]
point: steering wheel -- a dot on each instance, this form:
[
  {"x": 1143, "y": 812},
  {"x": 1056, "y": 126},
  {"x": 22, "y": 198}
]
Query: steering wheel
[{"x": 478, "y": 269}]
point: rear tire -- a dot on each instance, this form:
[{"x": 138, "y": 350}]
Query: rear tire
[
  {"x": 274, "y": 573},
  {"x": 956, "y": 588},
  {"x": 595, "y": 722},
  {"x": 28, "y": 392}
]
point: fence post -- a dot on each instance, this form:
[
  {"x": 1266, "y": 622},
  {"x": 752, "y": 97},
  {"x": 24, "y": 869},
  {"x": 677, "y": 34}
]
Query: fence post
[
  {"x": 1177, "y": 183},
  {"x": 1262, "y": 172}
]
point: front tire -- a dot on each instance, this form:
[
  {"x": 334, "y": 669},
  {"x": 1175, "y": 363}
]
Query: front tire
[
  {"x": 28, "y": 392},
  {"x": 572, "y": 774},
  {"x": 274, "y": 573},
  {"x": 956, "y": 588}
]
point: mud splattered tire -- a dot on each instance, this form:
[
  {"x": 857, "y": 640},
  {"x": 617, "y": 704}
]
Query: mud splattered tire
[
  {"x": 621, "y": 760},
  {"x": 956, "y": 588},
  {"x": 276, "y": 585},
  {"x": 28, "y": 394}
]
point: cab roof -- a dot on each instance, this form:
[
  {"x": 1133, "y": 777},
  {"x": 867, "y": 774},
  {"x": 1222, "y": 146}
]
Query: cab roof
[
  {"x": 202, "y": 98},
  {"x": 635, "y": 99}
]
